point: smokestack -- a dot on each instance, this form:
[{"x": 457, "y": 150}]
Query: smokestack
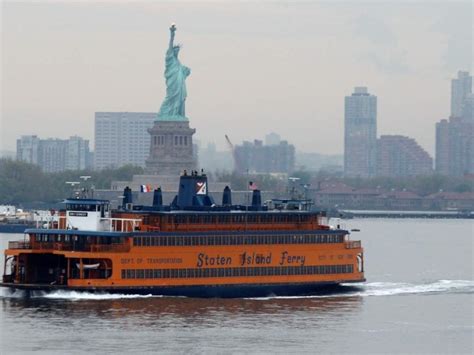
[
  {"x": 157, "y": 198},
  {"x": 227, "y": 197},
  {"x": 127, "y": 197},
  {"x": 256, "y": 198}
]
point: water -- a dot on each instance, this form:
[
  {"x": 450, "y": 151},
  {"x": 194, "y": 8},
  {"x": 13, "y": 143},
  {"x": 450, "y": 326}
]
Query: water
[{"x": 418, "y": 299}]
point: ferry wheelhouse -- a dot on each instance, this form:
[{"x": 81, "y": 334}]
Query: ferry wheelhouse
[{"x": 191, "y": 247}]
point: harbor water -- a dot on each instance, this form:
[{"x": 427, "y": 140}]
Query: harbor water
[{"x": 418, "y": 298}]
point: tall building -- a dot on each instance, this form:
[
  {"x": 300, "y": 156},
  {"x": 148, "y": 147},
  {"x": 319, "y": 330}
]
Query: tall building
[
  {"x": 402, "y": 156},
  {"x": 455, "y": 136},
  {"x": 122, "y": 138},
  {"x": 461, "y": 87},
  {"x": 442, "y": 154},
  {"x": 272, "y": 139},
  {"x": 360, "y": 134},
  {"x": 54, "y": 155},
  {"x": 77, "y": 153},
  {"x": 259, "y": 158},
  {"x": 27, "y": 149}
]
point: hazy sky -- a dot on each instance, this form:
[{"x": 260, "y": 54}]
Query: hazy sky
[{"x": 256, "y": 67}]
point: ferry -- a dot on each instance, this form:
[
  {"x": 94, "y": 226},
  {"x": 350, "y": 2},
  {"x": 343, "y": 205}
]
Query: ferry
[{"x": 191, "y": 247}]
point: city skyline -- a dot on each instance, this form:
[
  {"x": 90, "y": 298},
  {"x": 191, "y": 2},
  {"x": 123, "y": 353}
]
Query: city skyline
[{"x": 59, "y": 70}]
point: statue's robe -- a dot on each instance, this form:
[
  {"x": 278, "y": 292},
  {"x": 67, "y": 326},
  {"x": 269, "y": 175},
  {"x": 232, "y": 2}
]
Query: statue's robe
[{"x": 175, "y": 75}]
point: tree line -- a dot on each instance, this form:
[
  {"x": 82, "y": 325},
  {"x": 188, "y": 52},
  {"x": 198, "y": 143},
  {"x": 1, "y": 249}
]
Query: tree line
[
  {"x": 421, "y": 185},
  {"x": 26, "y": 184},
  {"x": 23, "y": 183}
]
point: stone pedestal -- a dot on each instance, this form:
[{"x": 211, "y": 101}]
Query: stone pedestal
[{"x": 171, "y": 148}]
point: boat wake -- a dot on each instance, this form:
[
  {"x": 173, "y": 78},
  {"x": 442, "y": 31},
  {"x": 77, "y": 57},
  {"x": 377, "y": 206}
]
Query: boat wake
[
  {"x": 69, "y": 295},
  {"x": 369, "y": 289},
  {"x": 372, "y": 289},
  {"x": 75, "y": 295},
  {"x": 395, "y": 288}
]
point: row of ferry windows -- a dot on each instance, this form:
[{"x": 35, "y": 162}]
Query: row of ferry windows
[
  {"x": 58, "y": 238},
  {"x": 239, "y": 218},
  {"x": 236, "y": 240},
  {"x": 236, "y": 272}
]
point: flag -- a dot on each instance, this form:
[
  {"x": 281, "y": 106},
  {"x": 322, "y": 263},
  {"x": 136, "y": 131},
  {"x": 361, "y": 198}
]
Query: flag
[
  {"x": 252, "y": 186},
  {"x": 145, "y": 188},
  {"x": 201, "y": 188}
]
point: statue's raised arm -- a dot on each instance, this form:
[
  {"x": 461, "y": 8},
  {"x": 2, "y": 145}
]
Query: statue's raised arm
[{"x": 172, "y": 31}]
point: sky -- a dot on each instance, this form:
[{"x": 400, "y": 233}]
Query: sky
[{"x": 256, "y": 67}]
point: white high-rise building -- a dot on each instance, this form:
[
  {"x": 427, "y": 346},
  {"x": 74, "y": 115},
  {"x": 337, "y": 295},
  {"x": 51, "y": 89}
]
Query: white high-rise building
[
  {"x": 360, "y": 136},
  {"x": 53, "y": 154},
  {"x": 272, "y": 139},
  {"x": 122, "y": 138},
  {"x": 27, "y": 149},
  {"x": 77, "y": 153},
  {"x": 461, "y": 87}
]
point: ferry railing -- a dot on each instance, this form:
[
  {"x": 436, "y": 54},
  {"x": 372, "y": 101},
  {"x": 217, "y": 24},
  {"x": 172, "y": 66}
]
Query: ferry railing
[
  {"x": 117, "y": 248},
  {"x": 20, "y": 244},
  {"x": 353, "y": 244},
  {"x": 112, "y": 224},
  {"x": 98, "y": 248},
  {"x": 122, "y": 224}
]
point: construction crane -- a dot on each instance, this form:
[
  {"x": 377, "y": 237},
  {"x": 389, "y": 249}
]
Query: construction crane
[{"x": 234, "y": 155}]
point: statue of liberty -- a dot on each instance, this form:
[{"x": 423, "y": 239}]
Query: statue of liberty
[{"x": 172, "y": 108}]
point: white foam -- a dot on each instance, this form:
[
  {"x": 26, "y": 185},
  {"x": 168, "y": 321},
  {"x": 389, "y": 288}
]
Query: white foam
[
  {"x": 9, "y": 293},
  {"x": 75, "y": 295},
  {"x": 371, "y": 289},
  {"x": 391, "y": 289}
]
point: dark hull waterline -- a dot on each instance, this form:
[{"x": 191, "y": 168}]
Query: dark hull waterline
[{"x": 222, "y": 291}]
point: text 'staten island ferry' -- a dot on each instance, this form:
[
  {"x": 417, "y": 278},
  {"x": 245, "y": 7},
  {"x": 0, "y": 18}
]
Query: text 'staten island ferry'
[{"x": 189, "y": 248}]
